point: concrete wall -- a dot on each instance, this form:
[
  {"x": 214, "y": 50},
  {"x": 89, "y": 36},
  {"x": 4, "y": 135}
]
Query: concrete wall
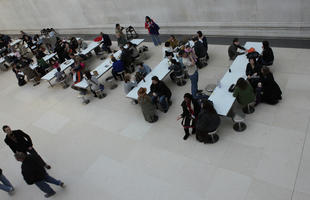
[{"x": 217, "y": 17}]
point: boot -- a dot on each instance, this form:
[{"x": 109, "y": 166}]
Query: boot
[{"x": 186, "y": 134}]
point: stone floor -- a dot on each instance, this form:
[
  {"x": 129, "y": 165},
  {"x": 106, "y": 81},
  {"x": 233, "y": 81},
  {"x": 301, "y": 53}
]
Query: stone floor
[{"x": 105, "y": 150}]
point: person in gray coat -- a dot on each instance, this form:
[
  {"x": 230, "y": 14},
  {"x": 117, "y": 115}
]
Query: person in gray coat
[{"x": 148, "y": 108}]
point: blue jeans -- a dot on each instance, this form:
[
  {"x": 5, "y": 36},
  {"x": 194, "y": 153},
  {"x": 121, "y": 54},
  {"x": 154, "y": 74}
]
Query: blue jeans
[
  {"x": 156, "y": 39},
  {"x": 194, "y": 83},
  {"x": 6, "y": 186},
  {"x": 42, "y": 185},
  {"x": 162, "y": 101}
]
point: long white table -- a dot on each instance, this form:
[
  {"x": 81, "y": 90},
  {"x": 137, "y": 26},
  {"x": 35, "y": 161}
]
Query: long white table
[
  {"x": 223, "y": 99},
  {"x": 90, "y": 47},
  {"x": 161, "y": 71},
  {"x": 15, "y": 42},
  {"x": 106, "y": 65},
  {"x": 45, "y": 58},
  {"x": 49, "y": 76}
]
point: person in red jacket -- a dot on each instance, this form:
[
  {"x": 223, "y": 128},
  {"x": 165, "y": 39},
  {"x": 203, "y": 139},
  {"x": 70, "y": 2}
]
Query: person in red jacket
[{"x": 153, "y": 29}]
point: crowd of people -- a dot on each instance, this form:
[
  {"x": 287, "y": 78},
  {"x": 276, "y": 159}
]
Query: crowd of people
[{"x": 185, "y": 59}]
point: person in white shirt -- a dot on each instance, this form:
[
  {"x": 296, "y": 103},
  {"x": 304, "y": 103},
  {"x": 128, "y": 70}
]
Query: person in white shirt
[{"x": 167, "y": 49}]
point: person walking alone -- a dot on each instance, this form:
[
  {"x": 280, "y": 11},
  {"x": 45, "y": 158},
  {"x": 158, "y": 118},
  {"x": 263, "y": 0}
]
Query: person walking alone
[{"x": 153, "y": 29}]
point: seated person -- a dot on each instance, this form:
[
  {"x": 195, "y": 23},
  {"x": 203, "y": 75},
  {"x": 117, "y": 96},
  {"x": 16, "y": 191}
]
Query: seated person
[
  {"x": 61, "y": 76},
  {"x": 173, "y": 42},
  {"x": 167, "y": 50},
  {"x": 106, "y": 45},
  {"x": 78, "y": 64},
  {"x": 147, "y": 107},
  {"x": 203, "y": 40},
  {"x": 233, "y": 49},
  {"x": 77, "y": 75},
  {"x": 267, "y": 56},
  {"x": 207, "y": 121},
  {"x": 81, "y": 45},
  {"x": 132, "y": 48},
  {"x": 93, "y": 83},
  {"x": 127, "y": 60},
  {"x": 144, "y": 69},
  {"x": 117, "y": 66},
  {"x": 54, "y": 64},
  {"x": 253, "y": 71},
  {"x": 271, "y": 92},
  {"x": 128, "y": 84},
  {"x": 176, "y": 68},
  {"x": 190, "y": 52},
  {"x": 160, "y": 92},
  {"x": 244, "y": 93}
]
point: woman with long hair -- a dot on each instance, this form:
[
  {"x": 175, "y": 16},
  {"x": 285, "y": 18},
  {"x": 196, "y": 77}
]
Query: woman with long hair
[{"x": 153, "y": 29}]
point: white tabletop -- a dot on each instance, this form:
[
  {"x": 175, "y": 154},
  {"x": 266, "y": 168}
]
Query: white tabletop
[
  {"x": 49, "y": 76},
  {"x": 15, "y": 42},
  {"x": 45, "y": 58},
  {"x": 223, "y": 99},
  {"x": 90, "y": 47},
  {"x": 161, "y": 70},
  {"x": 2, "y": 59},
  {"x": 106, "y": 65}
]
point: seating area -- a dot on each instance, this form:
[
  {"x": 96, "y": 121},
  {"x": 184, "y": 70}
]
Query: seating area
[{"x": 131, "y": 112}]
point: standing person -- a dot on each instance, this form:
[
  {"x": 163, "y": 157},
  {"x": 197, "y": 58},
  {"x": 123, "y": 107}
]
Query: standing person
[
  {"x": 267, "y": 56},
  {"x": 271, "y": 92},
  {"x": 107, "y": 43},
  {"x": 192, "y": 72},
  {"x": 121, "y": 39},
  {"x": 233, "y": 49},
  {"x": 200, "y": 52},
  {"x": 207, "y": 121},
  {"x": 6, "y": 185},
  {"x": 203, "y": 39},
  {"x": 160, "y": 92},
  {"x": 19, "y": 141},
  {"x": 34, "y": 173},
  {"x": 147, "y": 107},
  {"x": 191, "y": 109},
  {"x": 153, "y": 29}
]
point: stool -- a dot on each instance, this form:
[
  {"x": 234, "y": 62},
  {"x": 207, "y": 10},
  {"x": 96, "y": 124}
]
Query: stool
[
  {"x": 249, "y": 109},
  {"x": 239, "y": 125},
  {"x": 100, "y": 94},
  {"x": 214, "y": 136},
  {"x": 121, "y": 75},
  {"x": 180, "y": 80},
  {"x": 110, "y": 82},
  {"x": 84, "y": 99}
]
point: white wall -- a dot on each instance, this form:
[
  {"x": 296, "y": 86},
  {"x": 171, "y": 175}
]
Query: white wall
[{"x": 217, "y": 17}]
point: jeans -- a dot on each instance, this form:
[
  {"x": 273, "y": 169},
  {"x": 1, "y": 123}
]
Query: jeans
[
  {"x": 42, "y": 185},
  {"x": 156, "y": 39},
  {"x": 6, "y": 186},
  {"x": 194, "y": 83},
  {"x": 162, "y": 101}
]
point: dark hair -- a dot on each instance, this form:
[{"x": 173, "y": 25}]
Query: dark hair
[
  {"x": 188, "y": 95},
  {"x": 255, "y": 62},
  {"x": 58, "y": 69},
  {"x": 173, "y": 61},
  {"x": 195, "y": 39},
  {"x": 265, "y": 44},
  {"x": 88, "y": 74},
  {"x": 113, "y": 59},
  {"x": 116, "y": 25},
  {"x": 155, "y": 78},
  {"x": 236, "y": 40},
  {"x": 172, "y": 36},
  {"x": 167, "y": 44},
  {"x": 199, "y": 33},
  {"x": 140, "y": 64},
  {"x": 242, "y": 83},
  {"x": 147, "y": 17},
  {"x": 208, "y": 106},
  {"x": 4, "y": 127},
  {"x": 265, "y": 70},
  {"x": 181, "y": 52}
]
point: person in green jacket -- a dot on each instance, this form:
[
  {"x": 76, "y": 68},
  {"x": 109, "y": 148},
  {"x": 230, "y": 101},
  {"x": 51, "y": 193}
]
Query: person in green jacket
[{"x": 244, "y": 92}]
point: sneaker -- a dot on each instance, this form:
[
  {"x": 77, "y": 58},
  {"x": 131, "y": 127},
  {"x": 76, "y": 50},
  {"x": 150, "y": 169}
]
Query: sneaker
[
  {"x": 11, "y": 192},
  {"x": 47, "y": 166},
  {"x": 62, "y": 185},
  {"x": 49, "y": 195}
]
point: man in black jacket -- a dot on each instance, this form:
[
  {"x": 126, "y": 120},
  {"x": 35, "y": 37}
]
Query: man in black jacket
[
  {"x": 204, "y": 41},
  {"x": 106, "y": 42},
  {"x": 233, "y": 49},
  {"x": 6, "y": 185},
  {"x": 34, "y": 173},
  {"x": 160, "y": 92},
  {"x": 201, "y": 53},
  {"x": 19, "y": 141}
]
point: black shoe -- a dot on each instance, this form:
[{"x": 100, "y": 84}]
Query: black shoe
[
  {"x": 47, "y": 166},
  {"x": 199, "y": 91},
  {"x": 185, "y": 136},
  {"x": 170, "y": 103},
  {"x": 49, "y": 195}
]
